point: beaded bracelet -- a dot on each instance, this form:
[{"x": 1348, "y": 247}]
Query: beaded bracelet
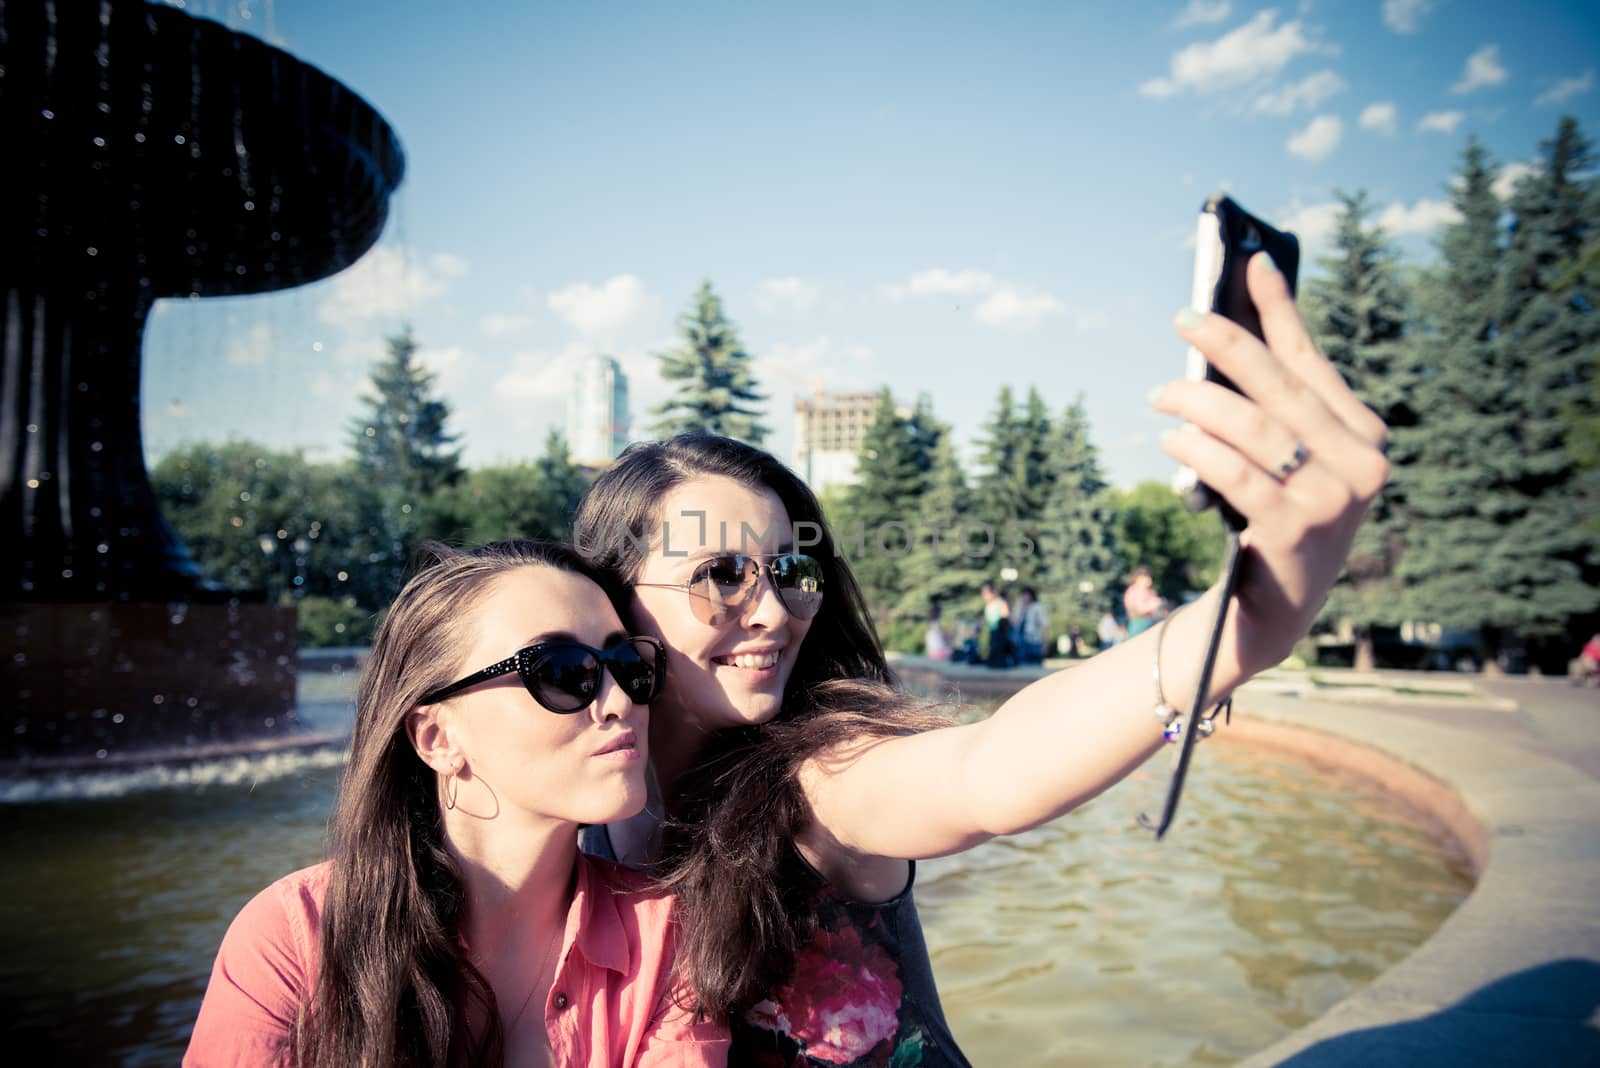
[{"x": 1172, "y": 722}]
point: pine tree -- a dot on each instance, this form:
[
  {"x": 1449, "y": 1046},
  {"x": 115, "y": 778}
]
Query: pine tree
[
  {"x": 717, "y": 391},
  {"x": 1536, "y": 581},
  {"x": 1079, "y": 547},
  {"x": 404, "y": 463},
  {"x": 1449, "y": 470},
  {"x": 941, "y": 567},
  {"x": 1001, "y": 498},
  {"x": 1361, "y": 327},
  {"x": 879, "y": 510}
]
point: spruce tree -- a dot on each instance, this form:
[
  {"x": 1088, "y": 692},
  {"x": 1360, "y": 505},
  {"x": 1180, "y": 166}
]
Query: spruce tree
[
  {"x": 404, "y": 459},
  {"x": 1001, "y": 498},
  {"x": 879, "y": 513},
  {"x": 717, "y": 388},
  {"x": 1536, "y": 581},
  {"x": 942, "y": 567},
  {"x": 1361, "y": 327},
  {"x": 1450, "y": 469},
  {"x": 1081, "y": 554}
]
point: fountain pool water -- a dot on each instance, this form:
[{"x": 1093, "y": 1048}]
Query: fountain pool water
[{"x": 1282, "y": 890}]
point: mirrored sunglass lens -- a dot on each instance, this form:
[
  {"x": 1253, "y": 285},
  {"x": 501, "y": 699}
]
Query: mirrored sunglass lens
[
  {"x": 566, "y": 678},
  {"x": 725, "y": 573},
  {"x": 799, "y": 584}
]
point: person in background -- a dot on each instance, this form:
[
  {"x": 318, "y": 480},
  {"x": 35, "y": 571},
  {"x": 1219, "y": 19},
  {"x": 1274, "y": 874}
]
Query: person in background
[
  {"x": 1141, "y": 601},
  {"x": 935, "y": 643},
  {"x": 1109, "y": 630},
  {"x": 1032, "y": 626},
  {"x": 997, "y": 617},
  {"x": 455, "y": 921},
  {"x": 1587, "y": 671}
]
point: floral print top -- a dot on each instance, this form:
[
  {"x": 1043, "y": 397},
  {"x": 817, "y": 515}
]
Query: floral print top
[{"x": 862, "y": 993}]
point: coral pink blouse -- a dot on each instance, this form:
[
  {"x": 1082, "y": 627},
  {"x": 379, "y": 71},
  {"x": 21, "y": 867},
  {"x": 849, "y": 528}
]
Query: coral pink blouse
[{"x": 610, "y": 1005}]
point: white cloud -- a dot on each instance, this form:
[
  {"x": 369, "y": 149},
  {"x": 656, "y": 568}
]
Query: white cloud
[
  {"x": 1483, "y": 70},
  {"x": 1319, "y": 138},
  {"x": 1423, "y": 217},
  {"x": 252, "y": 348},
  {"x": 541, "y": 376},
  {"x": 1505, "y": 183},
  {"x": 1405, "y": 16},
  {"x": 1306, "y": 93},
  {"x": 386, "y": 283},
  {"x": 1567, "y": 87},
  {"x": 1313, "y": 224},
  {"x": 503, "y": 325},
  {"x": 811, "y": 365},
  {"x": 325, "y": 386},
  {"x": 787, "y": 294},
  {"x": 446, "y": 364},
  {"x": 360, "y": 353},
  {"x": 1202, "y": 11},
  {"x": 1379, "y": 117},
  {"x": 1002, "y": 305},
  {"x": 1257, "y": 49},
  {"x": 447, "y": 264},
  {"x": 1014, "y": 309},
  {"x": 605, "y": 310},
  {"x": 940, "y": 282},
  {"x": 1440, "y": 121}
]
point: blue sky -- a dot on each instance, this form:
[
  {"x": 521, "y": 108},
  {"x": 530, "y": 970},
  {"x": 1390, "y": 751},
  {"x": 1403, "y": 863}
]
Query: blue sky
[{"x": 939, "y": 197}]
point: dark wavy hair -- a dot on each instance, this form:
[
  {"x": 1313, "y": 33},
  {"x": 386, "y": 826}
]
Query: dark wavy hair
[
  {"x": 728, "y": 840},
  {"x": 394, "y": 986}
]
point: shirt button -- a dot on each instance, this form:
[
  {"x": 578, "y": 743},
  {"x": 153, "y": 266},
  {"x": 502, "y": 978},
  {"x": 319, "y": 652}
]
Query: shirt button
[{"x": 561, "y": 1001}]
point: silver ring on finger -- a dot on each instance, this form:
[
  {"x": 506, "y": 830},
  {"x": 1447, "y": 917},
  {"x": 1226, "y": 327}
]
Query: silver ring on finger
[{"x": 1301, "y": 457}]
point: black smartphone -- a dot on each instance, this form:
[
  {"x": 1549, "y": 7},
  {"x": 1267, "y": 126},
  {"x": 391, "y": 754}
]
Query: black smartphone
[{"x": 1226, "y": 236}]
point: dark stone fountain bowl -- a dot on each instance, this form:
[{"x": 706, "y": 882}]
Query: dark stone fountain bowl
[
  {"x": 171, "y": 154},
  {"x": 146, "y": 154}
]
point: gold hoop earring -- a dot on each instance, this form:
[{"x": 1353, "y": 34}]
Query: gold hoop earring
[{"x": 452, "y": 786}]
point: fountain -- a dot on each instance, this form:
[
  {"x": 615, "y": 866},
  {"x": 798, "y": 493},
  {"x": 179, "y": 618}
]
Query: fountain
[{"x": 149, "y": 154}]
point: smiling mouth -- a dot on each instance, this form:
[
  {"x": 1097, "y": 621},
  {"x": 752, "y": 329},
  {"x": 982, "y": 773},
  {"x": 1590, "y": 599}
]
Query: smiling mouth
[{"x": 749, "y": 661}]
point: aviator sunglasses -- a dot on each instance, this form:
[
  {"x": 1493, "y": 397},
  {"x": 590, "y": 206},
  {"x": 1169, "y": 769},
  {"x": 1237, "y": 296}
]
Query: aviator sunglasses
[
  {"x": 564, "y": 675},
  {"x": 720, "y": 588}
]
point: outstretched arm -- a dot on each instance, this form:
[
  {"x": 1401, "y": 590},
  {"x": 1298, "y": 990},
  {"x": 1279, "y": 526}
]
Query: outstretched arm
[{"x": 1069, "y": 736}]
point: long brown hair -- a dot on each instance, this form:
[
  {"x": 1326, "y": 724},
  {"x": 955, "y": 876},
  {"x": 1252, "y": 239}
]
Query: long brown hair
[
  {"x": 395, "y": 986},
  {"x": 728, "y": 841}
]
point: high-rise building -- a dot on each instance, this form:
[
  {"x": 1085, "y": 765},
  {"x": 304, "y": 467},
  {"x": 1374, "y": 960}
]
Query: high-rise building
[
  {"x": 829, "y": 430},
  {"x": 597, "y": 412}
]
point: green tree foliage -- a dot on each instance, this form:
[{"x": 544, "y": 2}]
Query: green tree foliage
[
  {"x": 877, "y": 524},
  {"x": 527, "y": 500},
  {"x": 1078, "y": 539},
  {"x": 1449, "y": 470},
  {"x": 1361, "y": 328},
  {"x": 946, "y": 565},
  {"x": 1002, "y": 498},
  {"x": 1182, "y": 549},
  {"x": 259, "y": 519},
  {"x": 717, "y": 388},
  {"x": 1536, "y": 580},
  {"x": 405, "y": 460}
]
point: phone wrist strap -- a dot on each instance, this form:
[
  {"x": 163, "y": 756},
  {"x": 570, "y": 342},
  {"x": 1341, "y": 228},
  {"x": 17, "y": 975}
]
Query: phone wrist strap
[{"x": 1186, "y": 730}]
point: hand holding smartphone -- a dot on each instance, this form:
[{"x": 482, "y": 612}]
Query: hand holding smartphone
[{"x": 1226, "y": 237}]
